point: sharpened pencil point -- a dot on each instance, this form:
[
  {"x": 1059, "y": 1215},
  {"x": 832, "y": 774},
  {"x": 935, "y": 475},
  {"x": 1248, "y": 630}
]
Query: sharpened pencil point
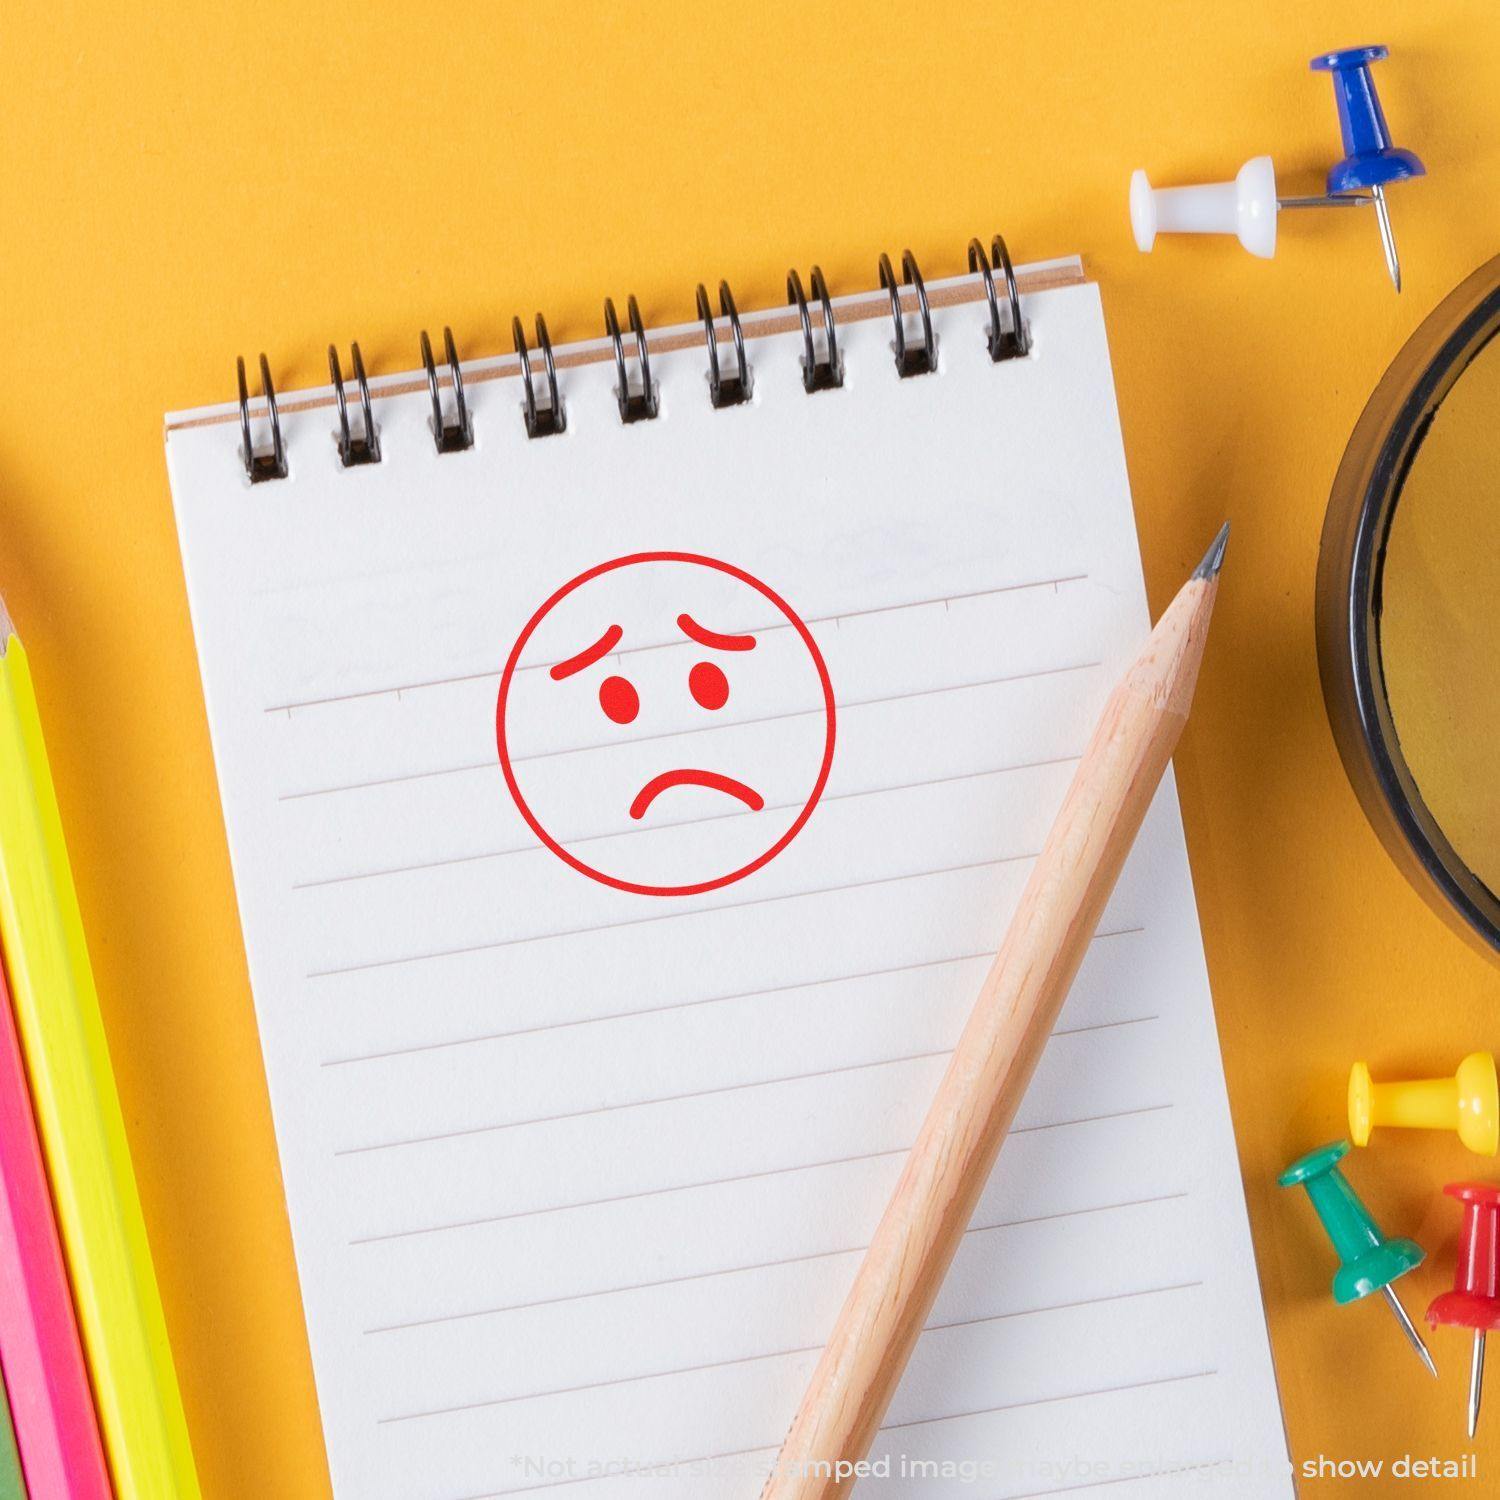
[{"x": 1213, "y": 559}]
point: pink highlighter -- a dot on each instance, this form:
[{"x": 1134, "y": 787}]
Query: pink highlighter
[{"x": 46, "y": 1379}]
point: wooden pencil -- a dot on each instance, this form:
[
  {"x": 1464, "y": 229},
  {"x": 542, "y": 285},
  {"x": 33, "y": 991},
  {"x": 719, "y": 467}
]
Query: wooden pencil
[
  {"x": 78, "y": 1115},
  {"x": 46, "y": 1380},
  {"x": 1016, "y": 1010}
]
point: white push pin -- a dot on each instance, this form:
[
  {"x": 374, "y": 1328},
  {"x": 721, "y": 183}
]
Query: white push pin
[{"x": 1245, "y": 208}]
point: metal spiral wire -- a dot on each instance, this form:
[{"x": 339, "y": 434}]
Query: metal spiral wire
[
  {"x": 635, "y": 406},
  {"x": 637, "y": 394},
  {"x": 364, "y": 448},
  {"x": 541, "y": 421},
  {"x": 911, "y": 359},
  {"x": 731, "y": 389},
  {"x": 259, "y": 466},
  {"x": 457, "y": 435},
  {"x": 825, "y": 373}
]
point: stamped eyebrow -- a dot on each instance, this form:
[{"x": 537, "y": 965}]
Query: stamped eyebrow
[
  {"x": 694, "y": 631},
  {"x": 589, "y": 655}
]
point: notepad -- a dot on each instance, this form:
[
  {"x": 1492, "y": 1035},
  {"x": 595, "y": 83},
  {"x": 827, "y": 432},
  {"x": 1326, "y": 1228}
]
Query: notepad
[{"x": 622, "y": 821}]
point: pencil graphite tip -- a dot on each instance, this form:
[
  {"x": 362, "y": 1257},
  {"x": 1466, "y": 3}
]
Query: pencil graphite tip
[{"x": 1213, "y": 559}]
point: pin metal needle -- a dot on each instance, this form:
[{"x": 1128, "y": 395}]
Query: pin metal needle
[
  {"x": 1407, "y": 1327},
  {"x": 1476, "y": 1381},
  {"x": 1387, "y": 239},
  {"x": 1327, "y": 200}
]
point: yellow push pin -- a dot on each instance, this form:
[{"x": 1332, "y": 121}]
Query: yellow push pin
[{"x": 1469, "y": 1103}]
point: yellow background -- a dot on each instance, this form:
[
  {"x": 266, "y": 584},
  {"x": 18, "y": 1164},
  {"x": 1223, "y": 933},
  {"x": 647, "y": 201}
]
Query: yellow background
[{"x": 184, "y": 183}]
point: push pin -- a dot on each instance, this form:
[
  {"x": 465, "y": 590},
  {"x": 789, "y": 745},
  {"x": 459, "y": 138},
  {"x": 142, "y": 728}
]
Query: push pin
[
  {"x": 1370, "y": 160},
  {"x": 1469, "y": 1103},
  {"x": 1369, "y": 1262},
  {"x": 1245, "y": 208},
  {"x": 1248, "y": 207},
  {"x": 1474, "y": 1302}
]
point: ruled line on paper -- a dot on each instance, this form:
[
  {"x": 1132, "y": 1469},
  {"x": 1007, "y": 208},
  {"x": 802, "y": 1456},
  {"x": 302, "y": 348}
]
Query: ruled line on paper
[
  {"x": 771, "y": 1449},
  {"x": 656, "y": 1010},
  {"x": 686, "y": 1187},
  {"x": 691, "y": 729},
  {"x": 708, "y": 1093},
  {"x": 765, "y": 1265},
  {"x": 661, "y": 1192},
  {"x": 734, "y": 812},
  {"x": 1109, "y": 1390},
  {"x": 671, "y": 916},
  {"x": 609, "y": 1109},
  {"x": 747, "y": 1359},
  {"x": 811, "y": 620}
]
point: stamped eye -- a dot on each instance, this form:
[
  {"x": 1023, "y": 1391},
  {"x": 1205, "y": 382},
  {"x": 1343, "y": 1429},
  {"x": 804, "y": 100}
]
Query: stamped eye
[
  {"x": 708, "y": 685},
  {"x": 619, "y": 699}
]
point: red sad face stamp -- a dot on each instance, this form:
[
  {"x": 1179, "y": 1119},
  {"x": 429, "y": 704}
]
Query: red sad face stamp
[{"x": 665, "y": 723}]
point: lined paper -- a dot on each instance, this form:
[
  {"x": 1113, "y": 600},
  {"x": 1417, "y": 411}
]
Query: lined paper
[{"x": 579, "y": 1175}]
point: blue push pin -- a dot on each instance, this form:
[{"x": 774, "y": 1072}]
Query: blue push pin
[{"x": 1370, "y": 160}]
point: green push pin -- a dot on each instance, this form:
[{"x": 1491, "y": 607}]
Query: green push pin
[{"x": 1369, "y": 1261}]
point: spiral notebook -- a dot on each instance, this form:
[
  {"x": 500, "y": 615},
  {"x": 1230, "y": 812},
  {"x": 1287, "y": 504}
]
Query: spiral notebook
[{"x": 628, "y": 775}]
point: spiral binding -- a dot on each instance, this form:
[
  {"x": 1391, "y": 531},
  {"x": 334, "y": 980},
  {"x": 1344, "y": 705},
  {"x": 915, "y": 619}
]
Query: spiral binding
[
  {"x": 259, "y": 466},
  {"x": 919, "y": 359},
  {"x": 730, "y": 380},
  {"x": 634, "y": 406},
  {"x": 826, "y": 374},
  {"x": 724, "y": 390},
  {"x": 541, "y": 421},
  {"x": 364, "y": 449},
  {"x": 455, "y": 436},
  {"x": 1005, "y": 343}
]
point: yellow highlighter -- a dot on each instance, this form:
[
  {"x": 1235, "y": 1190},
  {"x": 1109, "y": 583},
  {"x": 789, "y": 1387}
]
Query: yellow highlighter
[{"x": 78, "y": 1115}]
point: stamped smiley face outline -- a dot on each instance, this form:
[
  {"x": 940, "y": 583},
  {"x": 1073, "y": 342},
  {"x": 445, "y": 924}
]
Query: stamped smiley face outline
[{"x": 709, "y": 688}]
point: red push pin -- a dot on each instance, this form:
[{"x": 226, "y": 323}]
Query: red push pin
[{"x": 1474, "y": 1301}]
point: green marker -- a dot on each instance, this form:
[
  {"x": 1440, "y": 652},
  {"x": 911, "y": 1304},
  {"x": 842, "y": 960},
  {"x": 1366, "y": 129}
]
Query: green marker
[{"x": 1369, "y": 1261}]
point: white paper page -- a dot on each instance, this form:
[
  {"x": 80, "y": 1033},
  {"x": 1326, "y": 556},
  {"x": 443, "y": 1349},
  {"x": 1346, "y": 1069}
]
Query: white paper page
[{"x": 579, "y": 1175}]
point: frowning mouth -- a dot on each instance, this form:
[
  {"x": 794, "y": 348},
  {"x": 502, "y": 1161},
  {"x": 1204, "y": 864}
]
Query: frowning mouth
[{"x": 685, "y": 777}]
